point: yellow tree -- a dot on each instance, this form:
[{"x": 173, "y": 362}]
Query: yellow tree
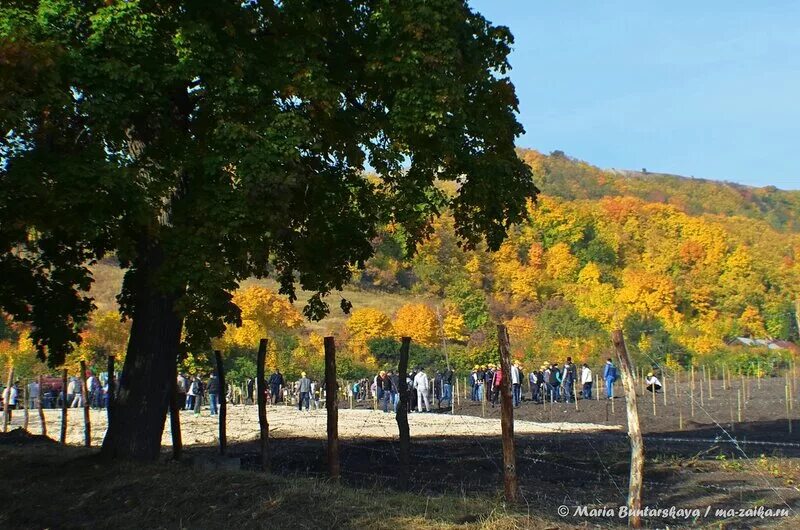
[
  {"x": 21, "y": 355},
  {"x": 365, "y": 324},
  {"x": 560, "y": 264},
  {"x": 264, "y": 313},
  {"x": 752, "y": 323},
  {"x": 453, "y": 324},
  {"x": 419, "y": 322}
]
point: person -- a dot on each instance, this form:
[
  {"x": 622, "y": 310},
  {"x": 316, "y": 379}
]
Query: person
[
  {"x": 516, "y": 384},
  {"x": 497, "y": 380},
  {"x": 534, "y": 380},
  {"x": 473, "y": 384},
  {"x": 198, "y": 398},
  {"x": 377, "y": 385},
  {"x": 412, "y": 393},
  {"x": 304, "y": 390},
  {"x": 10, "y": 398},
  {"x": 568, "y": 379},
  {"x": 488, "y": 380},
  {"x": 652, "y": 383},
  {"x": 276, "y": 382},
  {"x": 33, "y": 394},
  {"x": 315, "y": 394},
  {"x": 586, "y": 381},
  {"x": 385, "y": 383},
  {"x": 610, "y": 377},
  {"x": 447, "y": 386},
  {"x": 191, "y": 393},
  {"x": 181, "y": 387},
  {"x": 77, "y": 399},
  {"x": 555, "y": 382},
  {"x": 481, "y": 378},
  {"x": 92, "y": 387},
  {"x": 213, "y": 393},
  {"x": 394, "y": 379},
  {"x": 251, "y": 387},
  {"x": 437, "y": 389},
  {"x": 422, "y": 385},
  {"x": 548, "y": 391}
]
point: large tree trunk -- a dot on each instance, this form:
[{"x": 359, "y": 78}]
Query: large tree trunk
[{"x": 140, "y": 408}]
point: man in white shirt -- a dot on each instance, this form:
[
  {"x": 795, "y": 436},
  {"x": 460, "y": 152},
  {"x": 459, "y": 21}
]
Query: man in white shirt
[
  {"x": 652, "y": 383},
  {"x": 422, "y": 385},
  {"x": 10, "y": 398},
  {"x": 586, "y": 381}
]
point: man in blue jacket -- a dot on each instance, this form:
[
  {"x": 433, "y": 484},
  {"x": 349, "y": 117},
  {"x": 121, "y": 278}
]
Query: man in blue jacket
[{"x": 610, "y": 376}]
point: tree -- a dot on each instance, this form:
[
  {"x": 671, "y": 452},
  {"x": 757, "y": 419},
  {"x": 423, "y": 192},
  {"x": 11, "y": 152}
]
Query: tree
[
  {"x": 419, "y": 322},
  {"x": 207, "y": 141},
  {"x": 365, "y": 324}
]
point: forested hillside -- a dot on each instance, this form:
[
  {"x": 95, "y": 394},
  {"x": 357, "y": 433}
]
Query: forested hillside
[
  {"x": 568, "y": 178},
  {"x": 682, "y": 264}
]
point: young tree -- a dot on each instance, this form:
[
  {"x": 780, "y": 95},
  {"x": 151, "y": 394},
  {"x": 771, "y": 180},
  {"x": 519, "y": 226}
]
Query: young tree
[
  {"x": 419, "y": 322},
  {"x": 207, "y": 141}
]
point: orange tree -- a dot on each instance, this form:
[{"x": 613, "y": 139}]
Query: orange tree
[{"x": 207, "y": 141}]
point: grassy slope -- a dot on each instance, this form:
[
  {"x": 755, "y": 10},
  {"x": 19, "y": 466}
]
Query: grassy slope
[
  {"x": 47, "y": 486},
  {"x": 108, "y": 279}
]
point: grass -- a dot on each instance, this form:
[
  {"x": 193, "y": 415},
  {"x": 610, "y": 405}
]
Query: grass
[
  {"x": 47, "y": 486},
  {"x": 108, "y": 281}
]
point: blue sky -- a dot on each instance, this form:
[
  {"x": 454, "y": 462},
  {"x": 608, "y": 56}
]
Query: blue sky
[{"x": 703, "y": 88}]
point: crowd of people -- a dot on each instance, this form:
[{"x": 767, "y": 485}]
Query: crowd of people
[
  {"x": 550, "y": 382},
  {"x": 53, "y": 395}
]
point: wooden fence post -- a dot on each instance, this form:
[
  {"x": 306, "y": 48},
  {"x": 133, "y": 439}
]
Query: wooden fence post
[
  {"x": 223, "y": 403},
  {"x": 402, "y": 412},
  {"x": 634, "y": 431},
  {"x": 63, "y": 438},
  {"x": 332, "y": 407},
  {"x": 41, "y": 409},
  {"x": 87, "y": 420},
  {"x": 6, "y": 408},
  {"x": 261, "y": 399},
  {"x": 510, "y": 483},
  {"x": 174, "y": 410}
]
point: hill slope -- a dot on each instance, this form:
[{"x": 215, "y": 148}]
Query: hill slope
[{"x": 562, "y": 176}]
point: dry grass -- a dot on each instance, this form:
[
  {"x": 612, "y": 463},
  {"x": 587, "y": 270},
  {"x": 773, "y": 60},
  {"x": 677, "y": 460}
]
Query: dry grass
[
  {"x": 108, "y": 281},
  {"x": 47, "y": 486}
]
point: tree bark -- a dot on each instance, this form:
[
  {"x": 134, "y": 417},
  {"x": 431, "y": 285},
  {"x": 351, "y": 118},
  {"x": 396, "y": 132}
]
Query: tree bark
[
  {"x": 261, "y": 399},
  {"x": 634, "y": 431},
  {"x": 175, "y": 416},
  {"x": 510, "y": 482},
  {"x": 140, "y": 410},
  {"x": 110, "y": 394},
  {"x": 402, "y": 412},
  {"x": 332, "y": 407},
  {"x": 223, "y": 404}
]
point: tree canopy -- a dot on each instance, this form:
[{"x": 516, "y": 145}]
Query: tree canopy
[{"x": 203, "y": 142}]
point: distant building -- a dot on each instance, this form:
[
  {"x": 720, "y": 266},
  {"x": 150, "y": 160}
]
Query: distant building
[{"x": 765, "y": 343}]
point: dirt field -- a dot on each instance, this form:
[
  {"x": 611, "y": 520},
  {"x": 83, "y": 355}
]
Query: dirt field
[
  {"x": 288, "y": 422},
  {"x": 564, "y": 457}
]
